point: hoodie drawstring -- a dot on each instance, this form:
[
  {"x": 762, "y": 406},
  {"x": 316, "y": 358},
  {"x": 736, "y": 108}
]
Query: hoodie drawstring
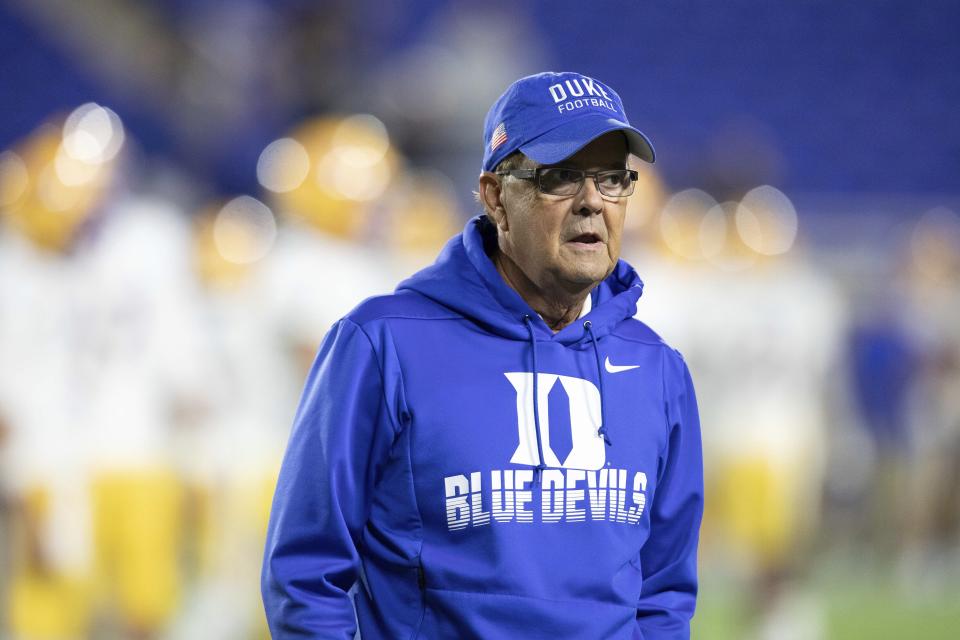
[
  {"x": 527, "y": 320},
  {"x": 602, "y": 431}
]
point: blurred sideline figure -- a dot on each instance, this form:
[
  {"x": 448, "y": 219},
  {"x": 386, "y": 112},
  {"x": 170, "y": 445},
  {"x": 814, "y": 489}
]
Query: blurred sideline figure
[
  {"x": 884, "y": 362},
  {"x": 225, "y": 456},
  {"x": 274, "y": 283},
  {"x": 149, "y": 384},
  {"x": 100, "y": 332},
  {"x": 764, "y": 331},
  {"x": 152, "y": 364},
  {"x": 42, "y": 310},
  {"x": 932, "y": 534}
]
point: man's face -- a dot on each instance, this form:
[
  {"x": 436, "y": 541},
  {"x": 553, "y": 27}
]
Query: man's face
[{"x": 567, "y": 241}]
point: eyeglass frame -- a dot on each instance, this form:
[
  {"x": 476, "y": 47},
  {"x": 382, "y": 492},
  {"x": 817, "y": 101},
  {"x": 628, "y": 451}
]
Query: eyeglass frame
[{"x": 534, "y": 176}]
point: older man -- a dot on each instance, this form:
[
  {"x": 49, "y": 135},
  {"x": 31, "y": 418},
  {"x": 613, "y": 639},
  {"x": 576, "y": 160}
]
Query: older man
[{"x": 499, "y": 449}]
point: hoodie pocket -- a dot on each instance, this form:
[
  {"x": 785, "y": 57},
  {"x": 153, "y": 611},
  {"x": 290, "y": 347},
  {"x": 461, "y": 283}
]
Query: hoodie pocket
[
  {"x": 468, "y": 615},
  {"x": 422, "y": 586},
  {"x": 628, "y": 580}
]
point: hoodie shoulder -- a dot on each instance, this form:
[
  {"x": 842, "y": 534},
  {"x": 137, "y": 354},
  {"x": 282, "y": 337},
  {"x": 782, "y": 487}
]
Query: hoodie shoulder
[
  {"x": 639, "y": 331},
  {"x": 405, "y": 303},
  {"x": 674, "y": 364}
]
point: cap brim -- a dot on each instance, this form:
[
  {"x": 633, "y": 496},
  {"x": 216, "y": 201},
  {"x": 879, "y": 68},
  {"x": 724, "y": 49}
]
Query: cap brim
[{"x": 564, "y": 141}]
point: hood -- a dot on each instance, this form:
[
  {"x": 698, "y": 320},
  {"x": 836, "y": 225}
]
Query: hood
[{"x": 465, "y": 280}]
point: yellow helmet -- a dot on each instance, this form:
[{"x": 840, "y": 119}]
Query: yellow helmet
[
  {"x": 52, "y": 182},
  {"x": 329, "y": 170},
  {"x": 422, "y": 214}
]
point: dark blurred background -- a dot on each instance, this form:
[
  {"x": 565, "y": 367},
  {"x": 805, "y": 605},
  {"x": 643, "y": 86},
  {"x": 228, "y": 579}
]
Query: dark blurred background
[{"x": 191, "y": 192}]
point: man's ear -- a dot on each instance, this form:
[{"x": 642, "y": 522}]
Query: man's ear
[{"x": 491, "y": 197}]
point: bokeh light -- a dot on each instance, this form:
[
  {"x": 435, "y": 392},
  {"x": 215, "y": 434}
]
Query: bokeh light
[
  {"x": 48, "y": 194},
  {"x": 72, "y": 172},
  {"x": 712, "y": 233},
  {"x": 92, "y": 134},
  {"x": 767, "y": 220},
  {"x": 355, "y": 166},
  {"x": 244, "y": 230},
  {"x": 681, "y": 220},
  {"x": 283, "y": 165},
  {"x": 352, "y": 165},
  {"x": 361, "y": 140},
  {"x": 720, "y": 241}
]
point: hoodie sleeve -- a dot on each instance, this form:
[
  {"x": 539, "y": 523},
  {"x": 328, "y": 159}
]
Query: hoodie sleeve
[
  {"x": 341, "y": 435},
  {"x": 669, "y": 557}
]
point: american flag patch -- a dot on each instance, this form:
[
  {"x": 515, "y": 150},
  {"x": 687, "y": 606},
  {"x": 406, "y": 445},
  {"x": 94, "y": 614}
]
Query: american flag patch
[{"x": 499, "y": 136}]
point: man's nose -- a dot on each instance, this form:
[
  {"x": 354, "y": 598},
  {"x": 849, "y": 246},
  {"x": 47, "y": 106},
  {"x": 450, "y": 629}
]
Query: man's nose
[{"x": 589, "y": 200}]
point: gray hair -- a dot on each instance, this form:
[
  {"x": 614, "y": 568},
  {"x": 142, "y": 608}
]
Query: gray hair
[{"x": 516, "y": 160}]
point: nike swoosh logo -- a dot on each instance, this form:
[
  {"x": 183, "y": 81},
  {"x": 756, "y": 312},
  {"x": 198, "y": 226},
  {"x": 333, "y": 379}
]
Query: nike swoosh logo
[{"x": 617, "y": 368}]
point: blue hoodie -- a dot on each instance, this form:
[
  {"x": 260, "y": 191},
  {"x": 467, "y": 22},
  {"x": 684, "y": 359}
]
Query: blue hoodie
[{"x": 420, "y": 465}]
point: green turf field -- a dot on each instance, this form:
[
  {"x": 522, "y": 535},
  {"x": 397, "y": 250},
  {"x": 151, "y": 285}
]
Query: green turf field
[{"x": 853, "y": 608}]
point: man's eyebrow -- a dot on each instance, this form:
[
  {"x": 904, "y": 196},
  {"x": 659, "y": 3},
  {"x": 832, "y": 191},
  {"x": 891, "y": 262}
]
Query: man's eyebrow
[{"x": 566, "y": 164}]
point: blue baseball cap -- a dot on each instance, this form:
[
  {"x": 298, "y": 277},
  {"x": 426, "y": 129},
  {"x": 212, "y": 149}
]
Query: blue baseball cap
[{"x": 550, "y": 116}]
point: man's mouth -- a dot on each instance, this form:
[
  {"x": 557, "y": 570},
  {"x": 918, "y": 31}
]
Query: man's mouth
[{"x": 586, "y": 238}]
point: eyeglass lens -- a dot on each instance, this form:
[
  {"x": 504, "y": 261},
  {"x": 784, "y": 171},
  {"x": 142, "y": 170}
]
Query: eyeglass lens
[{"x": 567, "y": 182}]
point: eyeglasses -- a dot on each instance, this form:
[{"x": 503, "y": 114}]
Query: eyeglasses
[{"x": 558, "y": 181}]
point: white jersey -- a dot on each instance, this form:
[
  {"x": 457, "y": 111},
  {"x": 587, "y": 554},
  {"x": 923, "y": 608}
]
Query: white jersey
[
  {"x": 144, "y": 349},
  {"x": 44, "y": 318},
  {"x": 310, "y": 280},
  {"x": 261, "y": 334},
  {"x": 247, "y": 407},
  {"x": 760, "y": 342}
]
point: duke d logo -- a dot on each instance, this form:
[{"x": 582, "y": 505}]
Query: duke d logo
[
  {"x": 589, "y": 450},
  {"x": 574, "y": 487}
]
